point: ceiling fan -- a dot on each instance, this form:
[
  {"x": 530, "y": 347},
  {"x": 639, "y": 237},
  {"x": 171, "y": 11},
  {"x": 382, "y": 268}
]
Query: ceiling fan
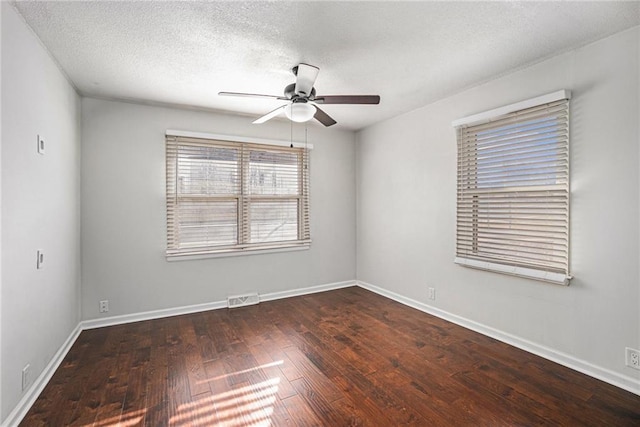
[{"x": 303, "y": 105}]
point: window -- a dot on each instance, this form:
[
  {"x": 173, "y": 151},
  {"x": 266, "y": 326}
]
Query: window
[
  {"x": 513, "y": 189},
  {"x": 229, "y": 197}
]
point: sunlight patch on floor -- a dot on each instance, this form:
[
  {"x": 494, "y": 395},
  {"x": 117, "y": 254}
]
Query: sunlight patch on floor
[
  {"x": 248, "y": 405},
  {"x": 125, "y": 420},
  {"x": 257, "y": 368}
]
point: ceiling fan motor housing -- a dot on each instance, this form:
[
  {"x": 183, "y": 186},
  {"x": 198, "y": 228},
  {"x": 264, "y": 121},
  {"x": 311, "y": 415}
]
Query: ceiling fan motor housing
[{"x": 290, "y": 93}]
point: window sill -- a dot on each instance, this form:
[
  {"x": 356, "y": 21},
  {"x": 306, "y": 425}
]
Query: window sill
[
  {"x": 236, "y": 252},
  {"x": 529, "y": 273}
]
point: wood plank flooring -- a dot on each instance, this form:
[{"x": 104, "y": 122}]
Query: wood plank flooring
[{"x": 341, "y": 358}]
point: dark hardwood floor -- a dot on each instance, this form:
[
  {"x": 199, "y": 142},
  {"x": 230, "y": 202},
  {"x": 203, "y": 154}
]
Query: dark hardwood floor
[{"x": 345, "y": 357}]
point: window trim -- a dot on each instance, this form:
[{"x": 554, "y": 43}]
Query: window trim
[
  {"x": 231, "y": 138},
  {"x": 238, "y": 252},
  {"x": 242, "y": 248},
  {"x": 485, "y": 264},
  {"x": 489, "y": 115}
]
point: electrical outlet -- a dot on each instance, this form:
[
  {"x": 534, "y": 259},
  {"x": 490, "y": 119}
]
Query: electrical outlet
[
  {"x": 26, "y": 376},
  {"x": 633, "y": 358},
  {"x": 104, "y": 306},
  {"x": 432, "y": 294},
  {"x": 39, "y": 259},
  {"x": 40, "y": 145}
]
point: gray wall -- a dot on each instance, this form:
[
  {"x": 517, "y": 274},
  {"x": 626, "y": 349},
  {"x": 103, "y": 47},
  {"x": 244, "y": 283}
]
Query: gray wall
[
  {"x": 406, "y": 186},
  {"x": 40, "y": 207},
  {"x": 123, "y": 213},
  {"x": 1, "y": 407},
  {"x": 404, "y": 178}
]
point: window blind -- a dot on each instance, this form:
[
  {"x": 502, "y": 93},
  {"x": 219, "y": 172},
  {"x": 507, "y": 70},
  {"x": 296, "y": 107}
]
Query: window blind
[
  {"x": 229, "y": 196},
  {"x": 513, "y": 192}
]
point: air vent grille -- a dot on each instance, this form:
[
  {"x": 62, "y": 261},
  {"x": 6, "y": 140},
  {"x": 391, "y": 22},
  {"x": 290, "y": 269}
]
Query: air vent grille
[{"x": 242, "y": 300}]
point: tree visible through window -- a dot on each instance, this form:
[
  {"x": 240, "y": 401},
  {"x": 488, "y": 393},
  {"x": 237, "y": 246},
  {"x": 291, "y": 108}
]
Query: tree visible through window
[
  {"x": 513, "y": 192},
  {"x": 227, "y": 196}
]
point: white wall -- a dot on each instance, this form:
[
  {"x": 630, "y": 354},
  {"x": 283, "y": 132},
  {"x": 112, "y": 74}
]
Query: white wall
[
  {"x": 123, "y": 213},
  {"x": 406, "y": 186},
  {"x": 40, "y": 207}
]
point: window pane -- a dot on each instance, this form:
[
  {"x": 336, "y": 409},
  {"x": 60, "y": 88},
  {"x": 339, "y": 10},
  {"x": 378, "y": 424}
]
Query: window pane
[
  {"x": 273, "y": 173},
  {"x": 227, "y": 196},
  {"x": 207, "y": 223},
  {"x": 208, "y": 170},
  {"x": 274, "y": 221},
  {"x": 513, "y": 190},
  {"x": 529, "y": 153}
]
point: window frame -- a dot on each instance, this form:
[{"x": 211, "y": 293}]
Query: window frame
[
  {"x": 495, "y": 255},
  {"x": 244, "y": 145}
]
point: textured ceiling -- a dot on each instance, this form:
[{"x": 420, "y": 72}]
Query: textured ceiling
[{"x": 410, "y": 53}]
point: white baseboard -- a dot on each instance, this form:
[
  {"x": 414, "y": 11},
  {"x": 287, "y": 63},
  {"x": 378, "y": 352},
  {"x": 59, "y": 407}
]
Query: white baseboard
[
  {"x": 177, "y": 311},
  {"x": 603, "y": 374},
  {"x": 39, "y": 384},
  {"x": 150, "y": 315},
  {"x": 32, "y": 393},
  {"x": 306, "y": 291}
]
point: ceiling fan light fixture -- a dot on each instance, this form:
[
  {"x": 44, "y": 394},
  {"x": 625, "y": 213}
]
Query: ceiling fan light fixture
[{"x": 300, "y": 111}]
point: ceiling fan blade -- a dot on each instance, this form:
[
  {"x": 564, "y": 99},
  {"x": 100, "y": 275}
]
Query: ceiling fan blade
[
  {"x": 251, "y": 95},
  {"x": 305, "y": 78},
  {"x": 348, "y": 99},
  {"x": 323, "y": 117},
  {"x": 270, "y": 115}
]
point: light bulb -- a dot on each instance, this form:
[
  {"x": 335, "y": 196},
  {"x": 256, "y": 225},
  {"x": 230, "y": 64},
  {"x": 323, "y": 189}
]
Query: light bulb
[{"x": 300, "y": 111}]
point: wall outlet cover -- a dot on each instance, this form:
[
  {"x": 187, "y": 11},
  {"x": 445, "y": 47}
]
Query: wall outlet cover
[
  {"x": 632, "y": 358},
  {"x": 26, "y": 376},
  {"x": 104, "y": 306}
]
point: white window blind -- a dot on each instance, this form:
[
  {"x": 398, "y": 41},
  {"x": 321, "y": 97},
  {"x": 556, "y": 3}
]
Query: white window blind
[
  {"x": 227, "y": 196},
  {"x": 513, "y": 190}
]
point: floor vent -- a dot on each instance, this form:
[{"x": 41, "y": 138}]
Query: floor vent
[{"x": 242, "y": 300}]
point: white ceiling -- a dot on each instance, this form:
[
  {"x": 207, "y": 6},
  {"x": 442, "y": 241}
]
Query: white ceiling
[{"x": 410, "y": 53}]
